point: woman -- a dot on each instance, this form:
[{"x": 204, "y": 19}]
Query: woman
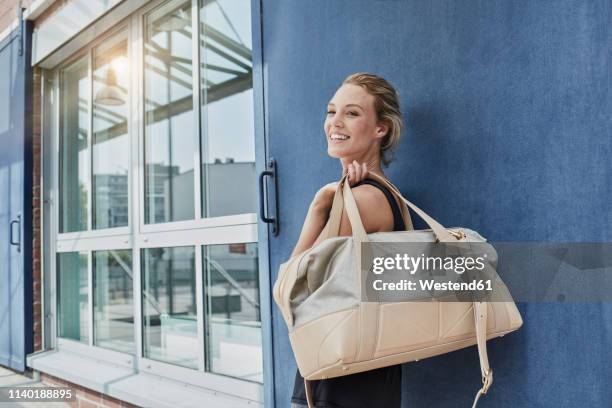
[{"x": 363, "y": 126}]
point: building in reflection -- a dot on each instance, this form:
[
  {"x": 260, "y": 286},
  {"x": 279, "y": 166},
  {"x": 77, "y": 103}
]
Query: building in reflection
[{"x": 111, "y": 207}]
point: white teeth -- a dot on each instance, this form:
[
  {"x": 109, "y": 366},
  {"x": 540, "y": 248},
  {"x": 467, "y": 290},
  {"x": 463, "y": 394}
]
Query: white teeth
[{"x": 336, "y": 136}]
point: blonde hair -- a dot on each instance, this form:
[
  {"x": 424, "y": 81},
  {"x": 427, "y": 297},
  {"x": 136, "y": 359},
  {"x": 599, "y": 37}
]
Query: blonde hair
[{"x": 386, "y": 105}]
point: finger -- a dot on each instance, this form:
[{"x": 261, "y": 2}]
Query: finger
[
  {"x": 357, "y": 171},
  {"x": 364, "y": 172},
  {"x": 351, "y": 174}
]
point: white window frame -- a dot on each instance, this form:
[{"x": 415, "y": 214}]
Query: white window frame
[{"x": 137, "y": 235}]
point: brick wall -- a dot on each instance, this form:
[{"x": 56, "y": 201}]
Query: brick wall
[
  {"x": 86, "y": 398},
  {"x": 8, "y": 13},
  {"x": 50, "y": 11},
  {"x": 36, "y": 175},
  {"x": 9, "y": 10},
  {"x": 36, "y": 262}
]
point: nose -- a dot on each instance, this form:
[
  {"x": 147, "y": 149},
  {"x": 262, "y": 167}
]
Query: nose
[{"x": 336, "y": 121}]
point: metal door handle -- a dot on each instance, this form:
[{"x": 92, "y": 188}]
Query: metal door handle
[
  {"x": 263, "y": 202},
  {"x": 18, "y": 242}
]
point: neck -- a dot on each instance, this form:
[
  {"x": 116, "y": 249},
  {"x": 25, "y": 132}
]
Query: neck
[{"x": 372, "y": 162}]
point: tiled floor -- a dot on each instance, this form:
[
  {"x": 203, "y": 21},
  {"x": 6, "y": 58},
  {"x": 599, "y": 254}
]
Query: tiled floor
[{"x": 10, "y": 378}]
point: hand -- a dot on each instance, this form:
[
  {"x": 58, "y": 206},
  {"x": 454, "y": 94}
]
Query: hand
[{"x": 356, "y": 172}]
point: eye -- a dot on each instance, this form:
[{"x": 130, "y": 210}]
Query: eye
[
  {"x": 331, "y": 112},
  {"x": 352, "y": 113}
]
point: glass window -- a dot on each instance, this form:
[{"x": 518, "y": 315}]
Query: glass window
[
  {"x": 74, "y": 151},
  {"x": 233, "y": 320},
  {"x": 73, "y": 296},
  {"x": 227, "y": 130},
  {"x": 169, "y": 306},
  {"x": 111, "y": 146},
  {"x": 113, "y": 300},
  {"x": 97, "y": 165},
  {"x": 169, "y": 123}
]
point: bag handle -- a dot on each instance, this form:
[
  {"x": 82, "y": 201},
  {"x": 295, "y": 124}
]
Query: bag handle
[
  {"x": 345, "y": 196},
  {"x": 335, "y": 215},
  {"x": 440, "y": 232}
]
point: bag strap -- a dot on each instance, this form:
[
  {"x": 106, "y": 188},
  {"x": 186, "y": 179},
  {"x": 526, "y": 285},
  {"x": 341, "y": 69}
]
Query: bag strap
[
  {"x": 333, "y": 223},
  {"x": 308, "y": 389},
  {"x": 480, "y": 308},
  {"x": 480, "y": 319},
  {"x": 345, "y": 196},
  {"x": 440, "y": 232}
]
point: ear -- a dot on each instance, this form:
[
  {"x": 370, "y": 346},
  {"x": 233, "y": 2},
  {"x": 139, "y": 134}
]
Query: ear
[{"x": 382, "y": 129}]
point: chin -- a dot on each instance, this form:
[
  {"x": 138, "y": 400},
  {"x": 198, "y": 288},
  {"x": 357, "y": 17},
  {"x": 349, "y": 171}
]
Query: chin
[{"x": 331, "y": 152}]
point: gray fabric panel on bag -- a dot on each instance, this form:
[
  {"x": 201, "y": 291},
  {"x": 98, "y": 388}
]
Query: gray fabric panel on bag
[{"x": 339, "y": 291}]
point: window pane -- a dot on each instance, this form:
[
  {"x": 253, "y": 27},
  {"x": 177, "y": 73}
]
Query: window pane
[
  {"x": 74, "y": 160},
  {"x": 113, "y": 302},
  {"x": 169, "y": 130},
  {"x": 169, "y": 306},
  {"x": 110, "y": 134},
  {"x": 72, "y": 295},
  {"x": 227, "y": 132},
  {"x": 233, "y": 320}
]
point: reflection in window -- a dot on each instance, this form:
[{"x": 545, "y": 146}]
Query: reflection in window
[
  {"x": 110, "y": 134},
  {"x": 227, "y": 131},
  {"x": 113, "y": 301},
  {"x": 72, "y": 296},
  {"x": 169, "y": 306},
  {"x": 233, "y": 320},
  {"x": 73, "y": 147},
  {"x": 169, "y": 132}
]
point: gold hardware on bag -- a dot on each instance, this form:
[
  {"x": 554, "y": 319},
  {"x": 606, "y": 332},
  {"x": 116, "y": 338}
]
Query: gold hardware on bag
[
  {"x": 486, "y": 380},
  {"x": 457, "y": 234}
]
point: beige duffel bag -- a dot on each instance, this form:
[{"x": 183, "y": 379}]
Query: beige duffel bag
[{"x": 334, "y": 333}]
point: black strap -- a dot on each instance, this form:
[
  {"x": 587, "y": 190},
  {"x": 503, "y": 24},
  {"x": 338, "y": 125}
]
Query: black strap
[{"x": 398, "y": 221}]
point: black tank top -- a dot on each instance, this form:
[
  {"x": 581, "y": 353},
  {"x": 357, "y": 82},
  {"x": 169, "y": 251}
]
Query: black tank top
[{"x": 380, "y": 388}]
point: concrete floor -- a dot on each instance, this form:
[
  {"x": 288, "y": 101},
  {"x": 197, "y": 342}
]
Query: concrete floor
[{"x": 9, "y": 378}]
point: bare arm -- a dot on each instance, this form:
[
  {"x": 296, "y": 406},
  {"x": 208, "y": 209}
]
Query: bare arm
[
  {"x": 317, "y": 216},
  {"x": 375, "y": 217},
  {"x": 374, "y": 210}
]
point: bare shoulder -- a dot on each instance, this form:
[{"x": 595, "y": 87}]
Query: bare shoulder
[{"x": 374, "y": 210}]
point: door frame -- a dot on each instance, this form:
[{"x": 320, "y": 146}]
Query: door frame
[
  {"x": 20, "y": 128},
  {"x": 261, "y": 160}
]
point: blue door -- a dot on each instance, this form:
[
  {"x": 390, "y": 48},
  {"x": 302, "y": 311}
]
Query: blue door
[
  {"x": 507, "y": 110},
  {"x": 15, "y": 202}
]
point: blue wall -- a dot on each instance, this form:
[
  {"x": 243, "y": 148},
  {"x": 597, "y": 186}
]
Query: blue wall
[{"x": 508, "y": 106}]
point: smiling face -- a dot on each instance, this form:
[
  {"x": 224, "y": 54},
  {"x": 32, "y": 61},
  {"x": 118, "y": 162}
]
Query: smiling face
[{"x": 351, "y": 125}]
